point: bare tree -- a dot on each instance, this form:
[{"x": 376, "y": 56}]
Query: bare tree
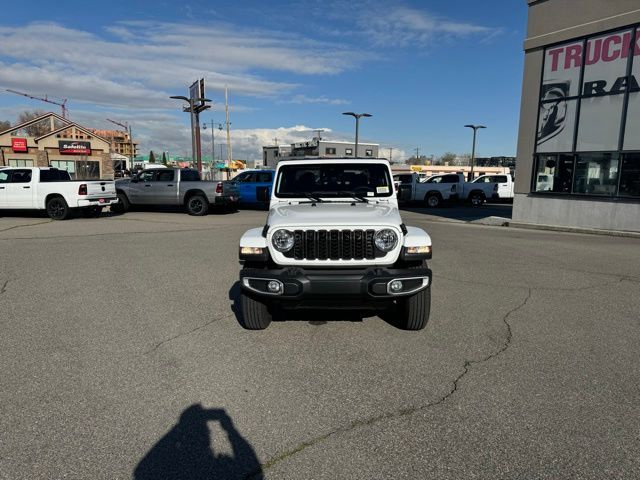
[
  {"x": 37, "y": 129},
  {"x": 447, "y": 158},
  {"x": 4, "y": 125}
]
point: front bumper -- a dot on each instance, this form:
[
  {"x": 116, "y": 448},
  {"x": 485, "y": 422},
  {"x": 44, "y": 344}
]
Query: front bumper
[{"x": 334, "y": 288}]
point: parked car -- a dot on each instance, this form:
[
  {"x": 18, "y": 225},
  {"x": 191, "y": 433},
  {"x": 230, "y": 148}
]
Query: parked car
[
  {"x": 437, "y": 189},
  {"x": 504, "y": 183},
  {"x": 251, "y": 184},
  {"x": 53, "y": 190},
  {"x": 334, "y": 238},
  {"x": 174, "y": 186}
]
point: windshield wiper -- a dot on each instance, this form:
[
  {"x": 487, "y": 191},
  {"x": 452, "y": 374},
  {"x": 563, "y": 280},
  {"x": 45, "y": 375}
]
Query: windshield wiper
[
  {"x": 346, "y": 193},
  {"x": 312, "y": 196}
]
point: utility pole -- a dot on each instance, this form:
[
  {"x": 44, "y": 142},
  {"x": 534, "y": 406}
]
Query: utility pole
[
  {"x": 390, "y": 154},
  {"x": 196, "y": 102},
  {"x": 226, "y": 108},
  {"x": 213, "y": 139},
  {"x": 275, "y": 140},
  {"x": 417, "y": 153},
  {"x": 319, "y": 132}
]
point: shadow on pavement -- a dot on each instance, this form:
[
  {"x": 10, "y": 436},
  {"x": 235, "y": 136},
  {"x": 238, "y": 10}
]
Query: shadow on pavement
[
  {"x": 464, "y": 213},
  {"x": 186, "y": 451}
]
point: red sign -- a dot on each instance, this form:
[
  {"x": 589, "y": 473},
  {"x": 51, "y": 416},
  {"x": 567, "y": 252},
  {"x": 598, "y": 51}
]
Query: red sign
[
  {"x": 71, "y": 147},
  {"x": 19, "y": 144}
]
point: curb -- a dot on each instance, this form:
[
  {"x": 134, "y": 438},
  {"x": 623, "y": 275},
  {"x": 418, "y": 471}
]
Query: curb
[{"x": 557, "y": 228}]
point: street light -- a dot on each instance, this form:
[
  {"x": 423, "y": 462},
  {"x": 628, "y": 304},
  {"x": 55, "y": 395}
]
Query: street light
[
  {"x": 473, "y": 148},
  {"x": 195, "y": 128},
  {"x": 357, "y": 116}
]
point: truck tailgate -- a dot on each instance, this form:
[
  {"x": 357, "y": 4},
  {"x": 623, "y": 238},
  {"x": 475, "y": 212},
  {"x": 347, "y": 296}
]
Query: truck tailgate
[
  {"x": 230, "y": 188},
  {"x": 101, "y": 188}
]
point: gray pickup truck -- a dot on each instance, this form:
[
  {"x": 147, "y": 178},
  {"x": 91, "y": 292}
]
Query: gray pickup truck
[{"x": 174, "y": 186}]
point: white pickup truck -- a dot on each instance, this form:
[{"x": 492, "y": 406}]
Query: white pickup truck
[
  {"x": 334, "y": 239},
  {"x": 53, "y": 190},
  {"x": 437, "y": 189},
  {"x": 503, "y": 181}
]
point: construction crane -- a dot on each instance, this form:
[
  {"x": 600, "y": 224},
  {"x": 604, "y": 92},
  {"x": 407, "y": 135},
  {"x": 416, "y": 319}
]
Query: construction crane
[{"x": 62, "y": 105}]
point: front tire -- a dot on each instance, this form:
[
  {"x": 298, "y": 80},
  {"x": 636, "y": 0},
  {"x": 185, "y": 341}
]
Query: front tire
[
  {"x": 255, "y": 314},
  {"x": 197, "y": 205},
  {"x": 57, "y": 209},
  {"x": 413, "y": 313}
]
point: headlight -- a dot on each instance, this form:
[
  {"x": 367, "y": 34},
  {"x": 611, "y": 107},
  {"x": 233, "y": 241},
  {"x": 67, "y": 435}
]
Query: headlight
[
  {"x": 282, "y": 240},
  {"x": 386, "y": 240}
]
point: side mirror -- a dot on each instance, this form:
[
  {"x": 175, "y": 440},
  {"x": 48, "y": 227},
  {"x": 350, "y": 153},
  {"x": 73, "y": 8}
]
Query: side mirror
[
  {"x": 405, "y": 193},
  {"x": 262, "y": 194}
]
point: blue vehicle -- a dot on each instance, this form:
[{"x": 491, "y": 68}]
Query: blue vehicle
[{"x": 253, "y": 185}]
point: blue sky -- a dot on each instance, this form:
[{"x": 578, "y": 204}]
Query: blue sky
[{"x": 423, "y": 69}]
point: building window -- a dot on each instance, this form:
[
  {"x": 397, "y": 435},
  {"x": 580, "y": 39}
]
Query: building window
[
  {"x": 596, "y": 174},
  {"x": 554, "y": 173},
  {"x": 583, "y": 139},
  {"x": 368, "y": 152},
  {"x": 330, "y": 151},
  {"x": 68, "y": 165},
  {"x": 630, "y": 175},
  {"x": 13, "y": 162},
  {"x": 348, "y": 151}
]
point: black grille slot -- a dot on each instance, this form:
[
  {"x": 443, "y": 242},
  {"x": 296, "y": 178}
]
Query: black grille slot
[{"x": 334, "y": 245}]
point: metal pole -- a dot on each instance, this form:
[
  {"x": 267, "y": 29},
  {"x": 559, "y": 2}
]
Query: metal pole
[
  {"x": 357, "y": 125},
  {"x": 131, "y": 145},
  {"x": 198, "y": 143},
  {"x": 193, "y": 136},
  {"x": 473, "y": 151}
]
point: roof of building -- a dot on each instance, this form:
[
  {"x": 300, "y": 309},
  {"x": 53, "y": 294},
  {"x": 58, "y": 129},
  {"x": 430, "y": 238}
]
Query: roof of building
[
  {"x": 72, "y": 125},
  {"x": 35, "y": 120}
]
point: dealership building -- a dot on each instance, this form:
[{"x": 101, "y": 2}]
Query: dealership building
[
  {"x": 50, "y": 140},
  {"x": 578, "y": 160}
]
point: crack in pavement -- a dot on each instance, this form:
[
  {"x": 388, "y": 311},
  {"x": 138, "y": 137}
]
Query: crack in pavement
[
  {"x": 23, "y": 226},
  {"x": 4, "y": 287},
  {"x": 170, "y": 339},
  {"x": 402, "y": 411}
]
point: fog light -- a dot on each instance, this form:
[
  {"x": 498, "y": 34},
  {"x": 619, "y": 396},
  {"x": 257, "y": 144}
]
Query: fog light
[
  {"x": 418, "y": 250},
  {"x": 395, "y": 286},
  {"x": 274, "y": 286},
  {"x": 251, "y": 250}
]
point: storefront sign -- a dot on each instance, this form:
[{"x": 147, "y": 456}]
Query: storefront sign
[
  {"x": 68, "y": 147},
  {"x": 19, "y": 145}
]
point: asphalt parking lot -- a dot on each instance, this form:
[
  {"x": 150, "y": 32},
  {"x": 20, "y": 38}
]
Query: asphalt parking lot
[{"x": 122, "y": 357}]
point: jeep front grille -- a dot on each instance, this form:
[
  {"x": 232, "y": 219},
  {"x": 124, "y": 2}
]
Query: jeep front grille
[{"x": 333, "y": 245}]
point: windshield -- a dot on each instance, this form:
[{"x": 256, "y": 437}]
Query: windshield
[{"x": 334, "y": 180}]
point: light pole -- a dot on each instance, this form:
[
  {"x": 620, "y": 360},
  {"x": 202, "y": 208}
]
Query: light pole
[
  {"x": 213, "y": 140},
  {"x": 195, "y": 125},
  {"x": 127, "y": 128},
  {"x": 473, "y": 148},
  {"x": 357, "y": 116}
]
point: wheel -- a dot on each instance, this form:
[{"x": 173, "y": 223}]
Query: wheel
[
  {"x": 255, "y": 314},
  {"x": 433, "y": 200},
  {"x": 197, "y": 205},
  {"x": 412, "y": 313},
  {"x": 57, "y": 208},
  {"x": 123, "y": 204},
  {"x": 476, "y": 198}
]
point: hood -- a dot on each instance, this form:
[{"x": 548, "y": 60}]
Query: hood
[{"x": 338, "y": 214}]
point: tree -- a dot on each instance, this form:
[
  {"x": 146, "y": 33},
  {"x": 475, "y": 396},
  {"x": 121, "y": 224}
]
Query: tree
[
  {"x": 164, "y": 158},
  {"x": 448, "y": 158},
  {"x": 37, "y": 129},
  {"x": 152, "y": 157},
  {"x": 4, "y": 125}
]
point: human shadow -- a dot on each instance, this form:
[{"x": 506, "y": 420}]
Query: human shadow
[{"x": 186, "y": 452}]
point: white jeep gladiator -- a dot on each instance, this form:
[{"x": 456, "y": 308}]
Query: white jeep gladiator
[{"x": 334, "y": 239}]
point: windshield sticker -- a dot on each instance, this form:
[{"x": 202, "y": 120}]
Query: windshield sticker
[{"x": 382, "y": 189}]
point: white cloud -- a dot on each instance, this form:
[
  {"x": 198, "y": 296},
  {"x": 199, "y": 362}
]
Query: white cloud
[
  {"x": 139, "y": 63},
  {"x": 301, "y": 98}
]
